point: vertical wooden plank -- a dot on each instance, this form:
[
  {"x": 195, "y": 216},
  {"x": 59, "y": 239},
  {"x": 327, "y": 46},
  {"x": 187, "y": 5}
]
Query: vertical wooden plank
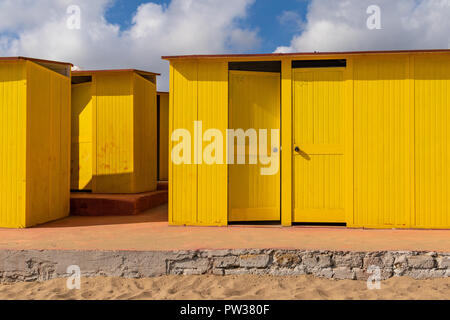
[
  {"x": 94, "y": 134},
  {"x": 382, "y": 85},
  {"x": 185, "y": 113},
  {"x": 286, "y": 142},
  {"x": 13, "y": 131},
  {"x": 213, "y": 113},
  {"x": 349, "y": 143},
  {"x": 432, "y": 137},
  {"x": 171, "y": 179},
  {"x": 411, "y": 110}
]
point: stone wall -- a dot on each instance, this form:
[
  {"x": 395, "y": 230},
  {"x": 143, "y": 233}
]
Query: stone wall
[{"x": 41, "y": 265}]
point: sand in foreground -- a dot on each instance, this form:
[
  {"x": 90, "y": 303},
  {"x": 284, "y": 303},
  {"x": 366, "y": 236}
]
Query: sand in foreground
[{"x": 229, "y": 287}]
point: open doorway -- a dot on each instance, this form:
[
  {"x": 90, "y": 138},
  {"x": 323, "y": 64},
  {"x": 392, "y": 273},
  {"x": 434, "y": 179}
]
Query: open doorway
[{"x": 254, "y": 107}]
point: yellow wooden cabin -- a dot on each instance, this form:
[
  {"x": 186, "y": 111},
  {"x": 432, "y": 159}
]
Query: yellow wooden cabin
[
  {"x": 34, "y": 141},
  {"x": 364, "y": 138},
  {"x": 114, "y": 131}
]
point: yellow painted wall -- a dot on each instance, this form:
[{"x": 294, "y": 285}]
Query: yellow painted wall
[
  {"x": 432, "y": 142},
  {"x": 82, "y": 137},
  {"x": 35, "y": 144},
  {"x": 114, "y": 133},
  {"x": 212, "y": 179},
  {"x": 145, "y": 135},
  {"x": 198, "y": 193},
  {"x": 163, "y": 136},
  {"x": 383, "y": 142},
  {"x": 184, "y": 184},
  {"x": 390, "y": 143},
  {"x": 13, "y": 142},
  {"x": 122, "y": 129}
]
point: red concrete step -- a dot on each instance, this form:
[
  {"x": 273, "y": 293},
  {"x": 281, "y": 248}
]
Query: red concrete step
[
  {"x": 163, "y": 185},
  {"x": 88, "y": 204}
]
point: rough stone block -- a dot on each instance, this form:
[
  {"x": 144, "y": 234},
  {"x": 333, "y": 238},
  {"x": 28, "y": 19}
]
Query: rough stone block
[
  {"x": 297, "y": 271},
  {"x": 388, "y": 260},
  {"x": 327, "y": 273},
  {"x": 193, "y": 272},
  {"x": 236, "y": 272},
  {"x": 422, "y": 274},
  {"x": 443, "y": 262},
  {"x": 286, "y": 259},
  {"x": 317, "y": 261},
  {"x": 202, "y": 265},
  {"x": 421, "y": 262},
  {"x": 218, "y": 272},
  {"x": 217, "y": 253},
  {"x": 226, "y": 262},
  {"x": 373, "y": 261},
  {"x": 343, "y": 273},
  {"x": 254, "y": 261},
  {"x": 401, "y": 261},
  {"x": 350, "y": 260},
  {"x": 361, "y": 274}
]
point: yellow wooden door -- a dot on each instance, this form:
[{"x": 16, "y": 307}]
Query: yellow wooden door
[
  {"x": 81, "y": 159},
  {"x": 254, "y": 104},
  {"x": 319, "y": 145}
]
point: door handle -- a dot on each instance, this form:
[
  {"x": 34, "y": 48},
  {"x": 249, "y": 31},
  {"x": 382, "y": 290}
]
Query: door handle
[
  {"x": 297, "y": 149},
  {"x": 275, "y": 150}
]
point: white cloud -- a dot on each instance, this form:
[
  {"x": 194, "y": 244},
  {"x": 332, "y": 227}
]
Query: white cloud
[
  {"x": 39, "y": 29},
  {"x": 341, "y": 25},
  {"x": 291, "y": 19}
]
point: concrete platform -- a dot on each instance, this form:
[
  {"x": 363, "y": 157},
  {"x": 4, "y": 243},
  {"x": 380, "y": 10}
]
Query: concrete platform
[
  {"x": 150, "y": 231},
  {"x": 145, "y": 245},
  {"x": 88, "y": 204}
]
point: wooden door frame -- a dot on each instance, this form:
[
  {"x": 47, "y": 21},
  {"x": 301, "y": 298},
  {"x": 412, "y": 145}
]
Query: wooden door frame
[
  {"x": 288, "y": 185},
  {"x": 281, "y": 135}
]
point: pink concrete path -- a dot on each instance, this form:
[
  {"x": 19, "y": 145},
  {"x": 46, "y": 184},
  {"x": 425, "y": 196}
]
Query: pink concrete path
[{"x": 150, "y": 232}]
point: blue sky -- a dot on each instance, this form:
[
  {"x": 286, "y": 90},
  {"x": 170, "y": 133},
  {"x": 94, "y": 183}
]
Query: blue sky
[
  {"x": 263, "y": 15},
  {"x": 109, "y": 39}
]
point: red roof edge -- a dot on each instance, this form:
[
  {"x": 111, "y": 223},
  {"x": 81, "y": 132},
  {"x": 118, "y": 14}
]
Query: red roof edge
[
  {"x": 84, "y": 72},
  {"x": 36, "y": 60},
  {"x": 302, "y": 54}
]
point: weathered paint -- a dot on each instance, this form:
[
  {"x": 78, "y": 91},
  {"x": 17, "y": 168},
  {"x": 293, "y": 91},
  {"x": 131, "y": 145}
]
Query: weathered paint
[
  {"x": 34, "y": 143},
  {"x": 379, "y": 147},
  {"x": 117, "y": 146},
  {"x": 163, "y": 136}
]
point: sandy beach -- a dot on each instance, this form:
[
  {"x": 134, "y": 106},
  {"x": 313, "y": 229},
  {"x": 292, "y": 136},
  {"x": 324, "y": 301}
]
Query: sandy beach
[{"x": 229, "y": 287}]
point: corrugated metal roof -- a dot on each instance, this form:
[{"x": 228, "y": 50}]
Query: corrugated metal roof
[{"x": 301, "y": 54}]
